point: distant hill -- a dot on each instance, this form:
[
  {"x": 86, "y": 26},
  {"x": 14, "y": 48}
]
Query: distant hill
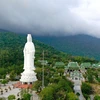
[{"x": 80, "y": 45}]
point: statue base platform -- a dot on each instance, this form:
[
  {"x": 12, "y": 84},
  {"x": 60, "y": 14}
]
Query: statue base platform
[
  {"x": 28, "y": 76},
  {"x": 22, "y": 86}
]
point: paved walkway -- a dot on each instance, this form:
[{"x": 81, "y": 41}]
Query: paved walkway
[
  {"x": 11, "y": 92},
  {"x": 15, "y": 91},
  {"x": 77, "y": 89}
]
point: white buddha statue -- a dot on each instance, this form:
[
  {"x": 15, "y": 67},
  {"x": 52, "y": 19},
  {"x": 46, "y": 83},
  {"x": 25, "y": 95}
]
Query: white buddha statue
[
  {"x": 29, "y": 52},
  {"x": 28, "y": 75}
]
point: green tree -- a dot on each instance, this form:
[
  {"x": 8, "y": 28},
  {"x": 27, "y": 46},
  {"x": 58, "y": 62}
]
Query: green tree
[
  {"x": 64, "y": 85},
  {"x": 26, "y": 96},
  {"x": 72, "y": 96},
  {"x": 11, "y": 97},
  {"x": 4, "y": 81},
  {"x": 12, "y": 75},
  {"x": 61, "y": 95},
  {"x": 86, "y": 88},
  {"x": 39, "y": 73},
  {"x": 97, "y": 97},
  {"x": 60, "y": 71},
  {"x": 90, "y": 77},
  {"x": 37, "y": 86},
  {"x": 47, "y": 93}
]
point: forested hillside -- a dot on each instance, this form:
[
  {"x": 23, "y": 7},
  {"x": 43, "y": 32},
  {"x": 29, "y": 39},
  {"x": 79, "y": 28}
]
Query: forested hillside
[
  {"x": 11, "y": 53},
  {"x": 77, "y": 45},
  {"x": 11, "y": 49}
]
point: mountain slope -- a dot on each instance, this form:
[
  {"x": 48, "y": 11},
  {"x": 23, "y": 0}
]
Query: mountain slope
[
  {"x": 80, "y": 45},
  {"x": 11, "y": 49}
]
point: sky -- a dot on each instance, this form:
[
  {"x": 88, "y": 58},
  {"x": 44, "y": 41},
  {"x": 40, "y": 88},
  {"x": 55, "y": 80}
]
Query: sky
[{"x": 51, "y": 17}]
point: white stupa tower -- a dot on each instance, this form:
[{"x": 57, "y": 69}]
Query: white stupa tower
[{"x": 28, "y": 76}]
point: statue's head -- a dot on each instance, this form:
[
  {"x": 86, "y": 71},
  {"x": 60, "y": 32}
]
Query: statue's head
[{"x": 29, "y": 38}]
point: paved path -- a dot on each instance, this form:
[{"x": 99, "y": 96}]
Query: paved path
[
  {"x": 11, "y": 92},
  {"x": 77, "y": 89},
  {"x": 15, "y": 91}
]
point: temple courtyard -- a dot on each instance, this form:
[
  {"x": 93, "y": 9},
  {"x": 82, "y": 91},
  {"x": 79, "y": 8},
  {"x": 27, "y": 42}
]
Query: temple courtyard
[{"x": 9, "y": 89}]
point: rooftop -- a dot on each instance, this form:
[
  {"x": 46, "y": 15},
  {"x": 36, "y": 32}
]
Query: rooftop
[
  {"x": 73, "y": 65},
  {"x": 86, "y": 65},
  {"x": 59, "y": 64},
  {"x": 96, "y": 65}
]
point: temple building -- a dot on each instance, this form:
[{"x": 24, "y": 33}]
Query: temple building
[
  {"x": 72, "y": 66},
  {"x": 86, "y": 65},
  {"x": 59, "y": 65},
  {"x": 28, "y": 76},
  {"x": 76, "y": 75},
  {"x": 73, "y": 71},
  {"x": 96, "y": 65}
]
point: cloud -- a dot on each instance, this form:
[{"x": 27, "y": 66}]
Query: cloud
[{"x": 54, "y": 17}]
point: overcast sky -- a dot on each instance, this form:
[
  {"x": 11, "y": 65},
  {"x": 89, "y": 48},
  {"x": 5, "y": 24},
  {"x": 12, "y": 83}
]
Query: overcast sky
[{"x": 54, "y": 17}]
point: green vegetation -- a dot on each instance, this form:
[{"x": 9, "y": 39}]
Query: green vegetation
[
  {"x": 4, "y": 81},
  {"x": 25, "y": 95},
  {"x": 71, "y": 96},
  {"x": 11, "y": 53},
  {"x": 53, "y": 82},
  {"x": 58, "y": 91},
  {"x": 97, "y": 97},
  {"x": 93, "y": 75},
  {"x": 86, "y": 90},
  {"x": 11, "y": 97}
]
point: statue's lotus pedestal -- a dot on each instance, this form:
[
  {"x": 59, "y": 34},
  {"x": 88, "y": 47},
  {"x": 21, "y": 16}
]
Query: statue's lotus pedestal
[{"x": 28, "y": 77}]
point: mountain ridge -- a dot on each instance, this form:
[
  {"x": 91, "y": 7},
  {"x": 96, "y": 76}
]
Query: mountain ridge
[{"x": 78, "y": 45}]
